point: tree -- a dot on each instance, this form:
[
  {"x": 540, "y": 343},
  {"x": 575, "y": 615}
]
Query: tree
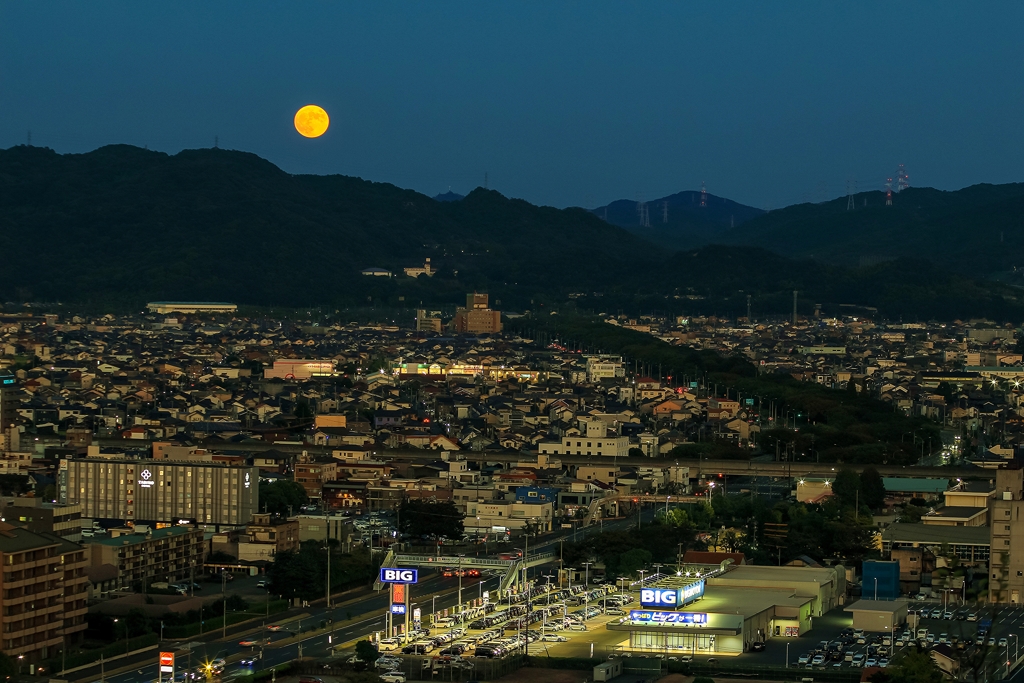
[
  {"x": 366, "y": 651},
  {"x": 14, "y": 484},
  {"x": 8, "y": 667},
  {"x": 846, "y": 486},
  {"x": 916, "y": 666},
  {"x": 636, "y": 453},
  {"x": 633, "y": 561},
  {"x": 282, "y": 497},
  {"x": 872, "y": 488},
  {"x": 431, "y": 519}
]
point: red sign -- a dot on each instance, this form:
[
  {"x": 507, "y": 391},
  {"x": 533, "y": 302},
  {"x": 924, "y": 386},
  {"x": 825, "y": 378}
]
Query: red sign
[
  {"x": 398, "y": 593},
  {"x": 166, "y": 659}
]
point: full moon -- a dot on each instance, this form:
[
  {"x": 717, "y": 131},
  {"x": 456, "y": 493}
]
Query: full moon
[{"x": 311, "y": 121}]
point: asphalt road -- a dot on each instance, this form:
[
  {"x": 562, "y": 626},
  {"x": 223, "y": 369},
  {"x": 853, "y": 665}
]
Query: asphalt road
[{"x": 368, "y": 617}]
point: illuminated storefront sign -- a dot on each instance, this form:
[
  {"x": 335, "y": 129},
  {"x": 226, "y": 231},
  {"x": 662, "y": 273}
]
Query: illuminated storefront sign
[
  {"x": 638, "y": 616},
  {"x": 397, "y": 609},
  {"x": 247, "y": 482},
  {"x": 398, "y": 575},
  {"x": 691, "y": 592},
  {"x": 659, "y": 597}
]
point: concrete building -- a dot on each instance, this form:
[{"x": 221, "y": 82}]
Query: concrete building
[
  {"x": 322, "y": 527},
  {"x": 427, "y": 323},
  {"x": 159, "y": 490},
  {"x": 43, "y": 591},
  {"x": 1006, "y": 577},
  {"x": 477, "y": 317},
  {"x": 604, "y": 367},
  {"x": 594, "y": 439},
  {"x": 878, "y": 616},
  {"x": 191, "y": 307},
  {"x": 9, "y": 402},
  {"x": 142, "y": 555}
]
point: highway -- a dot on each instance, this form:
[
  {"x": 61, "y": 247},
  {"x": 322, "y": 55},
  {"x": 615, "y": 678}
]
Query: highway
[{"x": 697, "y": 467}]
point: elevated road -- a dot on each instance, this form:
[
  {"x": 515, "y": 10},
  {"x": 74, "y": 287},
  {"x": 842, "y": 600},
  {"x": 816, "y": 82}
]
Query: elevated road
[{"x": 751, "y": 468}]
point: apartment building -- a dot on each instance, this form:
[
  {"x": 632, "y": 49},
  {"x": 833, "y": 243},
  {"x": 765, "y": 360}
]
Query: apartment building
[
  {"x": 483, "y": 517},
  {"x": 211, "y": 494},
  {"x": 1006, "y": 562},
  {"x": 43, "y": 590},
  {"x": 142, "y": 555},
  {"x": 312, "y": 475}
]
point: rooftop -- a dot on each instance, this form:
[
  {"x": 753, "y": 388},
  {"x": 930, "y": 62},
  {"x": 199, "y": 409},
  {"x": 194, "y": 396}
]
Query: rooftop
[
  {"x": 131, "y": 539},
  {"x": 931, "y": 534}
]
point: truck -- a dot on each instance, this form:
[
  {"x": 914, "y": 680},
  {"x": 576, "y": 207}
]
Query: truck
[{"x": 984, "y": 626}]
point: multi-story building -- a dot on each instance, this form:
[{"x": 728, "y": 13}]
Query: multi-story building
[
  {"x": 9, "y": 402},
  {"x": 312, "y": 475},
  {"x": 594, "y": 440},
  {"x": 43, "y": 590},
  {"x": 1006, "y": 583},
  {"x": 142, "y": 556},
  {"x": 604, "y": 367},
  {"x": 477, "y": 317},
  {"x": 41, "y": 516},
  {"x": 209, "y": 494}
]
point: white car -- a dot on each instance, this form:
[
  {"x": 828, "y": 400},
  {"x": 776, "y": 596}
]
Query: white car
[
  {"x": 553, "y": 638},
  {"x": 393, "y": 677}
]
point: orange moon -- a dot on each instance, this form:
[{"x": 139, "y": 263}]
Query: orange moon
[{"x": 311, "y": 121}]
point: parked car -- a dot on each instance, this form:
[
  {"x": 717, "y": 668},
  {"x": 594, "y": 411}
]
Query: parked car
[
  {"x": 391, "y": 677},
  {"x": 757, "y": 646},
  {"x": 553, "y": 638}
]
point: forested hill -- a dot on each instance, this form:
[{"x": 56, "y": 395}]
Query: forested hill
[
  {"x": 121, "y": 225},
  {"x": 976, "y": 230},
  {"x": 126, "y": 223},
  {"x": 678, "y": 221}
]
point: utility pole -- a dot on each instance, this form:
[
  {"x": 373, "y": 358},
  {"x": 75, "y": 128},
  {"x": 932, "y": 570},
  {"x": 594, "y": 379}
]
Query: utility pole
[{"x": 224, "y": 592}]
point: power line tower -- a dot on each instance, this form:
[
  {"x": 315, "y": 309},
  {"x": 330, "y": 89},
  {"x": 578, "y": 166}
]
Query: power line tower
[
  {"x": 664, "y": 212},
  {"x": 902, "y": 179},
  {"x": 851, "y": 189},
  {"x": 642, "y": 214},
  {"x": 703, "y": 194},
  {"x": 888, "y": 192}
]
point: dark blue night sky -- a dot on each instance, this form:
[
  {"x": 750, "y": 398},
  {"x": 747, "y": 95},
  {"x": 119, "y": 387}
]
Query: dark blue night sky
[{"x": 561, "y": 103}]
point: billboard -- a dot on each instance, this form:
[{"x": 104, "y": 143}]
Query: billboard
[
  {"x": 398, "y": 575},
  {"x": 638, "y": 616}
]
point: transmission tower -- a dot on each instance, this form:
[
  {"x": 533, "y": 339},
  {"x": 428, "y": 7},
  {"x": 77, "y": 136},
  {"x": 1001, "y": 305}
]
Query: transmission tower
[
  {"x": 851, "y": 189},
  {"x": 642, "y": 214},
  {"x": 888, "y": 192},
  {"x": 703, "y": 194},
  {"x": 664, "y": 212},
  {"x": 902, "y": 178}
]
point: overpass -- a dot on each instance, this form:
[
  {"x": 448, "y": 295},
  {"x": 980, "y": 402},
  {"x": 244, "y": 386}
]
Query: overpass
[
  {"x": 639, "y": 498},
  {"x": 752, "y": 468},
  {"x": 511, "y": 568}
]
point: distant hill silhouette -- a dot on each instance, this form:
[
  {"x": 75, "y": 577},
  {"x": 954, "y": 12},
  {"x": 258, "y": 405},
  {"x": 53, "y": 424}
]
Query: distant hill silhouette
[
  {"x": 678, "y": 220},
  {"x": 975, "y": 230},
  {"x": 121, "y": 225},
  {"x": 449, "y": 196},
  {"x": 126, "y": 224}
]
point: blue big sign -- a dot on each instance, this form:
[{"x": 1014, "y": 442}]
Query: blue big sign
[{"x": 398, "y": 575}]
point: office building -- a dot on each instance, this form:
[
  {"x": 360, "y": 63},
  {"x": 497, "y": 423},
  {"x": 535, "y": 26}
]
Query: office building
[
  {"x": 206, "y": 493},
  {"x": 10, "y": 399},
  {"x": 43, "y": 590}
]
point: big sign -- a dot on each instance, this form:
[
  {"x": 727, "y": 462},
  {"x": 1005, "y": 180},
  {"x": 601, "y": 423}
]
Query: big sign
[
  {"x": 659, "y": 597},
  {"x": 398, "y": 575}
]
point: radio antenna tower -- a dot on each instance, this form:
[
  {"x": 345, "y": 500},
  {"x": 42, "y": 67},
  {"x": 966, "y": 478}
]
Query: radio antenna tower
[
  {"x": 902, "y": 179},
  {"x": 888, "y": 192},
  {"x": 703, "y": 194},
  {"x": 664, "y": 212}
]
